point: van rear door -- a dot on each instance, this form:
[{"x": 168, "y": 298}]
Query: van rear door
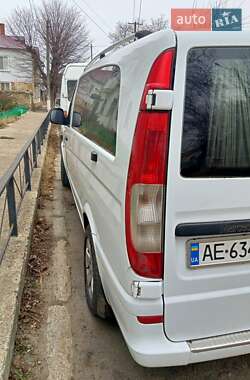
[{"x": 207, "y": 236}]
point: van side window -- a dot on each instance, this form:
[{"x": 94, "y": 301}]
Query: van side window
[
  {"x": 71, "y": 85},
  {"x": 216, "y": 130},
  {"x": 97, "y": 101}
]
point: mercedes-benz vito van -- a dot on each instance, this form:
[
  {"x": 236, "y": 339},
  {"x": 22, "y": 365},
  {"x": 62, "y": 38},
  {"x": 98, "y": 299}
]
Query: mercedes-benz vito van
[
  {"x": 71, "y": 74},
  {"x": 157, "y": 153}
]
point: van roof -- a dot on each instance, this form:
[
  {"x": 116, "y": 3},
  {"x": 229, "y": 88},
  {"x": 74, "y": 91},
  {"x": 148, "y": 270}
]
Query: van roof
[
  {"x": 159, "y": 38},
  {"x": 163, "y": 37},
  {"x": 216, "y": 38}
]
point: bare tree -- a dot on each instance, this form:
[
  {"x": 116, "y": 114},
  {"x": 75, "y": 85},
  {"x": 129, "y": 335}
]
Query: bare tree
[
  {"x": 68, "y": 37},
  {"x": 218, "y": 3},
  {"x": 124, "y": 29},
  {"x": 23, "y": 25},
  {"x": 157, "y": 24}
]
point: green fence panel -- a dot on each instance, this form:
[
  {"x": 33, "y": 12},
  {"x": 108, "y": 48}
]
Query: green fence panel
[{"x": 13, "y": 112}]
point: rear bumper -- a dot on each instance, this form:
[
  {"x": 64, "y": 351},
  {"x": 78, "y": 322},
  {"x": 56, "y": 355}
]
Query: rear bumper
[
  {"x": 150, "y": 348},
  {"x": 148, "y": 344}
]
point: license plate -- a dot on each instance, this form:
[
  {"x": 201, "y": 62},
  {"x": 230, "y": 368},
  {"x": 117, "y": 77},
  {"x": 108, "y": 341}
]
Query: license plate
[{"x": 203, "y": 253}]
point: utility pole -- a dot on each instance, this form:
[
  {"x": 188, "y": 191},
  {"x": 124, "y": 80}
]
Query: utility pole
[
  {"x": 33, "y": 78},
  {"x": 135, "y": 23},
  {"x": 91, "y": 51},
  {"x": 48, "y": 65}
]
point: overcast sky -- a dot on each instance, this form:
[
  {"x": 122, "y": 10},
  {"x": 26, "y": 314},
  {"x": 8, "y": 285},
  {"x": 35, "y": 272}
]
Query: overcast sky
[{"x": 107, "y": 12}]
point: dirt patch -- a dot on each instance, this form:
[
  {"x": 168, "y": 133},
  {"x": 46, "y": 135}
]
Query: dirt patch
[
  {"x": 2, "y": 125},
  {"x": 26, "y": 359}
]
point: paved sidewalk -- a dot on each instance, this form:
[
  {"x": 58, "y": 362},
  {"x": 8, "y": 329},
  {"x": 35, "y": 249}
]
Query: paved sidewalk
[{"x": 15, "y": 135}]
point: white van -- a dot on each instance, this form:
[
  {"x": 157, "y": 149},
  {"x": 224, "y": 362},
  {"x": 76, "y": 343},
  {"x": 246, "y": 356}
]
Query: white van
[
  {"x": 157, "y": 153},
  {"x": 71, "y": 74}
]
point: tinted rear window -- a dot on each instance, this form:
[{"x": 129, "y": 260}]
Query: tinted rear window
[{"x": 216, "y": 130}]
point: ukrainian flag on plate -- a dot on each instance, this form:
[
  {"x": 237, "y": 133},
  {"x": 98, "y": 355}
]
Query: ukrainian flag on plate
[{"x": 194, "y": 254}]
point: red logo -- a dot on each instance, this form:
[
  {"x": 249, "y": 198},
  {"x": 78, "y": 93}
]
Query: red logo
[{"x": 191, "y": 19}]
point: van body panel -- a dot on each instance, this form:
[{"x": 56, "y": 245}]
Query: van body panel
[
  {"x": 70, "y": 76},
  {"x": 103, "y": 184},
  {"x": 196, "y": 303},
  {"x": 213, "y": 300}
]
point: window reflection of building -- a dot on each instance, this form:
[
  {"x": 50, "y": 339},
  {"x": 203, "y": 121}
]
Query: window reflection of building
[{"x": 97, "y": 101}]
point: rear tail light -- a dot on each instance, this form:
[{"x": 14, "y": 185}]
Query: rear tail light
[
  {"x": 146, "y": 217},
  {"x": 147, "y": 177},
  {"x": 150, "y": 319}
]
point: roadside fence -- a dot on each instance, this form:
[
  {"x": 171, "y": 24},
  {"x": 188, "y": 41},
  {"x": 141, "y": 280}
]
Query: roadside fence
[{"x": 15, "y": 182}]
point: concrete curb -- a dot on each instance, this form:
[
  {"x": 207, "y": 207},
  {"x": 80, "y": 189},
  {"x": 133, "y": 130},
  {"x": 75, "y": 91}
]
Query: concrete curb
[{"x": 13, "y": 270}]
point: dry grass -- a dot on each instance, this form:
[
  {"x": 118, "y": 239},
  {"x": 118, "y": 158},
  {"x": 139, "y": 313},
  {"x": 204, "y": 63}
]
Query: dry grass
[
  {"x": 26, "y": 363},
  {"x": 2, "y": 124}
]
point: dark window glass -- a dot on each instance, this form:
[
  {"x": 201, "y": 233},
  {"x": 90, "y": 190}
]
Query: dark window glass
[
  {"x": 216, "y": 130},
  {"x": 97, "y": 101},
  {"x": 4, "y": 63},
  {"x": 71, "y": 85}
]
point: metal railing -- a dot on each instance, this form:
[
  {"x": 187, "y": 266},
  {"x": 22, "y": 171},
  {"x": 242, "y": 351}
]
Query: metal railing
[{"x": 15, "y": 182}]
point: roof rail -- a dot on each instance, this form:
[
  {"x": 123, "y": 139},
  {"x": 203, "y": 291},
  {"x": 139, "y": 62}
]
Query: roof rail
[
  {"x": 131, "y": 38},
  {"x": 103, "y": 53}
]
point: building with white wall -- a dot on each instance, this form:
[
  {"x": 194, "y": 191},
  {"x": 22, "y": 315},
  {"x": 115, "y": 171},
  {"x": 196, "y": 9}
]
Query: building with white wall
[{"x": 17, "y": 73}]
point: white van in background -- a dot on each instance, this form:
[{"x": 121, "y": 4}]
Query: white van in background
[
  {"x": 157, "y": 153},
  {"x": 71, "y": 74}
]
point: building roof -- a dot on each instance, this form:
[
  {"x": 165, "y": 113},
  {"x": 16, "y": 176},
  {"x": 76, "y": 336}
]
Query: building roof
[{"x": 11, "y": 42}]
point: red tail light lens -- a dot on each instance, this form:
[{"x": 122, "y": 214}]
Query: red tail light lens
[
  {"x": 150, "y": 319},
  {"x": 161, "y": 74},
  {"x": 147, "y": 177}
]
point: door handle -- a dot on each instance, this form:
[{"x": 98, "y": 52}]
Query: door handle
[
  {"x": 66, "y": 139},
  {"x": 94, "y": 156}
]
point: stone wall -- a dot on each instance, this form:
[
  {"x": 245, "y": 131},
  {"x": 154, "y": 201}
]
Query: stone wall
[
  {"x": 24, "y": 98},
  {"x": 21, "y": 97},
  {"x": 21, "y": 86}
]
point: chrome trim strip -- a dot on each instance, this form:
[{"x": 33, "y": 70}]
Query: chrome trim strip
[{"x": 220, "y": 342}]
